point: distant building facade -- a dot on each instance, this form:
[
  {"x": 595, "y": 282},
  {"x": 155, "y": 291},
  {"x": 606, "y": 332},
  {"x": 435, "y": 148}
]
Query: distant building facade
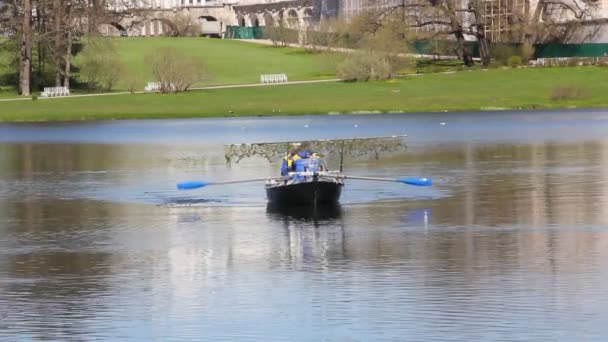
[{"x": 214, "y": 16}]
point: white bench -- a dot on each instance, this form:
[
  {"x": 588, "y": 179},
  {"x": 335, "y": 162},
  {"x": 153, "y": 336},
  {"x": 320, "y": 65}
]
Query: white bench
[
  {"x": 273, "y": 78},
  {"x": 154, "y": 87},
  {"x": 55, "y": 91}
]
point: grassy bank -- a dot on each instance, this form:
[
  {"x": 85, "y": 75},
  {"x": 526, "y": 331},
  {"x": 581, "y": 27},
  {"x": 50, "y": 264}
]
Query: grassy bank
[
  {"x": 475, "y": 90},
  {"x": 227, "y": 61}
]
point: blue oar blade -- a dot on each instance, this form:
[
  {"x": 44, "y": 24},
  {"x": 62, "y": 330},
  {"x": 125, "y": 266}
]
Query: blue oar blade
[
  {"x": 189, "y": 185},
  {"x": 416, "y": 181}
]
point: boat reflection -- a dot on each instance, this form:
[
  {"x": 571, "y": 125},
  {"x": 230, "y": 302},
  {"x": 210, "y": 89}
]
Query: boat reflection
[{"x": 305, "y": 212}]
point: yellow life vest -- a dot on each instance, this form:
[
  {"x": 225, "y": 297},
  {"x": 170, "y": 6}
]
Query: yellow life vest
[{"x": 290, "y": 160}]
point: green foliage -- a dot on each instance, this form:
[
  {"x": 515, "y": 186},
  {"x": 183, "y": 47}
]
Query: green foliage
[
  {"x": 512, "y": 55},
  {"x": 502, "y": 52},
  {"x": 8, "y": 62},
  {"x": 515, "y": 61}
]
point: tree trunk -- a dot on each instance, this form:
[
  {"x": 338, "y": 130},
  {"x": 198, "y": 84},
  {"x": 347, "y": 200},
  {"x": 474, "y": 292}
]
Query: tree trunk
[
  {"x": 463, "y": 52},
  {"x": 476, "y": 7},
  {"x": 526, "y": 36},
  {"x": 57, "y": 44},
  {"x": 484, "y": 49},
  {"x": 40, "y": 54},
  {"x": 25, "y": 50},
  {"x": 68, "y": 61}
]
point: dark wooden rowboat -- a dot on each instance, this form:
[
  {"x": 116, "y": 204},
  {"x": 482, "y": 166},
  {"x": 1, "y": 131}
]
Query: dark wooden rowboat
[
  {"x": 308, "y": 191},
  {"x": 325, "y": 187}
]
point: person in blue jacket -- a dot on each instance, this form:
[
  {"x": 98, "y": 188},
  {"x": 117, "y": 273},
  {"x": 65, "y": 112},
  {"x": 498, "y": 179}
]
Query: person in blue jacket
[
  {"x": 307, "y": 162},
  {"x": 300, "y": 161},
  {"x": 288, "y": 164}
]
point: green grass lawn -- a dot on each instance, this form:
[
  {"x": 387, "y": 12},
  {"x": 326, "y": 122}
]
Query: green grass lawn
[
  {"x": 475, "y": 90},
  {"x": 228, "y": 61}
]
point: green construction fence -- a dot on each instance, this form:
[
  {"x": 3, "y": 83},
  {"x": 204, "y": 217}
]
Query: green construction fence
[
  {"x": 241, "y": 32},
  {"x": 549, "y": 50}
]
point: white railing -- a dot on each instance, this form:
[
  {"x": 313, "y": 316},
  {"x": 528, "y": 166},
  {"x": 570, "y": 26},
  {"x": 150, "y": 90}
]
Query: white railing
[
  {"x": 274, "y": 78},
  {"x": 317, "y": 173},
  {"x": 55, "y": 91},
  {"x": 570, "y": 61}
]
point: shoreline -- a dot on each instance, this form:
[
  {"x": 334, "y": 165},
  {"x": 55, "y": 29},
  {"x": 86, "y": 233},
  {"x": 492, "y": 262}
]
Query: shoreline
[{"x": 566, "y": 109}]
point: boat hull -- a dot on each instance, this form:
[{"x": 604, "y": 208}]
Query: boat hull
[{"x": 310, "y": 192}]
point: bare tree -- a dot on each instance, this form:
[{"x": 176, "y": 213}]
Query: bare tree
[
  {"x": 181, "y": 24},
  {"x": 439, "y": 17},
  {"x": 174, "y": 71},
  {"x": 380, "y": 48},
  {"x": 555, "y": 21}
]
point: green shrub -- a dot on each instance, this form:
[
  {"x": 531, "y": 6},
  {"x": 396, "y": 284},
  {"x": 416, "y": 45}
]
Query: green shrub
[
  {"x": 515, "y": 61},
  {"x": 495, "y": 65},
  {"x": 502, "y": 52},
  {"x": 355, "y": 67},
  {"x": 370, "y": 65}
]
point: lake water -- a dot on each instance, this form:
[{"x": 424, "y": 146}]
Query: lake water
[{"x": 510, "y": 244}]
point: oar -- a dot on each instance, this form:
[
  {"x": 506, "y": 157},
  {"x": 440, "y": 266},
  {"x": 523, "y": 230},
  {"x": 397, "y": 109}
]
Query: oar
[
  {"x": 418, "y": 181},
  {"x": 195, "y": 184},
  {"x": 405, "y": 180}
]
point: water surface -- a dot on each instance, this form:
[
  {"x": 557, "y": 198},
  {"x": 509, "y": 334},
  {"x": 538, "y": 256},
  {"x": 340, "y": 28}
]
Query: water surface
[{"x": 510, "y": 244}]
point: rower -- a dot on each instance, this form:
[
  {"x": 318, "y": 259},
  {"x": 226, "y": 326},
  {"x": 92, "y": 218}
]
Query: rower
[
  {"x": 308, "y": 162},
  {"x": 288, "y": 164}
]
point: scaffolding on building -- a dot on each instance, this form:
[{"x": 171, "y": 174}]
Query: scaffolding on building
[{"x": 499, "y": 17}]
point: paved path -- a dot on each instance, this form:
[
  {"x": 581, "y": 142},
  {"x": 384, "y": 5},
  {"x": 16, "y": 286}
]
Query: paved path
[{"x": 228, "y": 86}]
